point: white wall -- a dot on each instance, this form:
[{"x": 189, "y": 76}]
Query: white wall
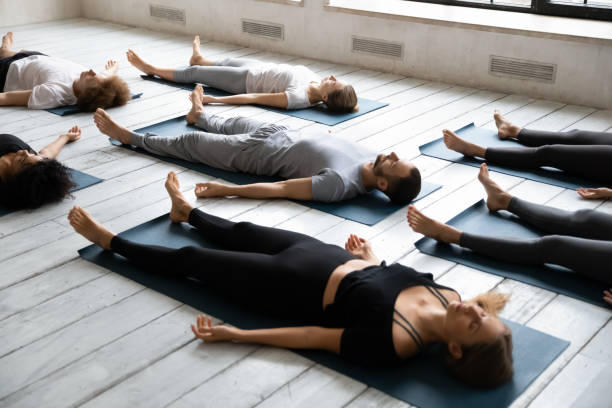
[
  {"x": 14, "y": 12},
  {"x": 443, "y": 53}
]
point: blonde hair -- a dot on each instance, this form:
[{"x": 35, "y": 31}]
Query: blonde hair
[
  {"x": 491, "y": 302},
  {"x": 111, "y": 91}
]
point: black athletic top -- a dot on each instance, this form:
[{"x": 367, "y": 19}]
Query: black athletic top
[
  {"x": 12, "y": 144},
  {"x": 365, "y": 307}
]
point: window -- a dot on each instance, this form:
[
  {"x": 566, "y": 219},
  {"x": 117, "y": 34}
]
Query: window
[{"x": 592, "y": 9}]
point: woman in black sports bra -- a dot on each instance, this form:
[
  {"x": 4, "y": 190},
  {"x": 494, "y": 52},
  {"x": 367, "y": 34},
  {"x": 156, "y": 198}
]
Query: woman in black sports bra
[
  {"x": 29, "y": 179},
  {"x": 349, "y": 302}
]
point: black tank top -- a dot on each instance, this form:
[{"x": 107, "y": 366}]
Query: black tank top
[
  {"x": 365, "y": 307},
  {"x": 12, "y": 144}
]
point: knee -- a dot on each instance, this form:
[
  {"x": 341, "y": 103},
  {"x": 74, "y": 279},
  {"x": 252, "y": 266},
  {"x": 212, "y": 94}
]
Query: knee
[
  {"x": 186, "y": 252},
  {"x": 242, "y": 227},
  {"x": 584, "y": 215},
  {"x": 551, "y": 243}
]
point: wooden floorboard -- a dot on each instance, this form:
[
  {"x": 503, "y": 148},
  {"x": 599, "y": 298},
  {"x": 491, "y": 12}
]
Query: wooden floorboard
[{"x": 72, "y": 333}]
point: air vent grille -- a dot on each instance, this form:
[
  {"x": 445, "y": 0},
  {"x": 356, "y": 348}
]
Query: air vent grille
[
  {"x": 538, "y": 71},
  {"x": 263, "y": 29},
  {"x": 171, "y": 14},
  {"x": 378, "y": 47}
]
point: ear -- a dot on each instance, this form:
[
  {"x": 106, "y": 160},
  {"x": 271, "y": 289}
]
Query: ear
[
  {"x": 454, "y": 349},
  {"x": 381, "y": 183},
  {"x": 324, "y": 97}
]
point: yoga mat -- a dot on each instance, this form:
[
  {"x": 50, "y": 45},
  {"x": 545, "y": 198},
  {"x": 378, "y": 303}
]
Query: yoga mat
[
  {"x": 422, "y": 381},
  {"x": 81, "y": 180},
  {"x": 72, "y": 109},
  {"x": 367, "y": 209},
  {"x": 488, "y": 138},
  {"x": 478, "y": 220},
  {"x": 318, "y": 113}
]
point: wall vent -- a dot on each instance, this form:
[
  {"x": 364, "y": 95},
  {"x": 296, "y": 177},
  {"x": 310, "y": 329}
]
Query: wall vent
[
  {"x": 534, "y": 70},
  {"x": 377, "y": 47},
  {"x": 263, "y": 29},
  {"x": 170, "y": 14}
]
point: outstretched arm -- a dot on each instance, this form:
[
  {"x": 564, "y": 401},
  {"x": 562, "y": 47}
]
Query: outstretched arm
[
  {"x": 297, "y": 189},
  {"x": 305, "y": 337},
  {"x": 15, "y": 98},
  {"x": 278, "y": 100},
  {"x": 594, "y": 193},
  {"x": 52, "y": 150}
]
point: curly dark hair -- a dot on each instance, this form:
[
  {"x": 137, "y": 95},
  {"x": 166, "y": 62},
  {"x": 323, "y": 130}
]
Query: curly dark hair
[
  {"x": 402, "y": 190},
  {"x": 112, "y": 91},
  {"x": 44, "y": 182}
]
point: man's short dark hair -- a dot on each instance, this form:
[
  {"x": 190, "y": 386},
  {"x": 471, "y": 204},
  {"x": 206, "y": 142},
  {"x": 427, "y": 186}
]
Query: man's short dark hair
[
  {"x": 44, "y": 182},
  {"x": 402, "y": 190}
]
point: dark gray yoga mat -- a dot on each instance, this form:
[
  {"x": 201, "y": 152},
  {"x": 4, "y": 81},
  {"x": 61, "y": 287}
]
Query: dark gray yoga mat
[
  {"x": 422, "y": 381},
  {"x": 318, "y": 113},
  {"x": 72, "y": 109},
  {"x": 81, "y": 180},
  {"x": 488, "y": 138},
  {"x": 478, "y": 220},
  {"x": 367, "y": 209}
]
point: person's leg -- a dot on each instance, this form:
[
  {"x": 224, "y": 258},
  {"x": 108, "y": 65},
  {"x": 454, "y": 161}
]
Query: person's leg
[
  {"x": 592, "y": 162},
  {"x": 536, "y": 138},
  {"x": 7, "y": 45},
  {"x": 237, "y": 62},
  {"x": 198, "y": 59},
  {"x": 586, "y": 256},
  {"x": 226, "y": 78}
]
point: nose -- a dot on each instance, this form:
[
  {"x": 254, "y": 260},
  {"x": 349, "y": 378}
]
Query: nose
[
  {"x": 333, "y": 78},
  {"x": 91, "y": 72},
  {"x": 22, "y": 152},
  {"x": 394, "y": 156}
]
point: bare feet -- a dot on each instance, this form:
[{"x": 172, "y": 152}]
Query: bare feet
[
  {"x": 432, "y": 228},
  {"x": 137, "y": 62},
  {"x": 196, "y": 57},
  {"x": 110, "y": 128},
  {"x": 7, "y": 41},
  {"x": 497, "y": 198},
  {"x": 454, "y": 142},
  {"x": 197, "y": 108},
  {"x": 180, "y": 207},
  {"x": 85, "y": 225},
  {"x": 505, "y": 129}
]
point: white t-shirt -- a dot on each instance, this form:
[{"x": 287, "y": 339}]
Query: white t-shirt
[
  {"x": 274, "y": 78},
  {"x": 49, "y": 78}
]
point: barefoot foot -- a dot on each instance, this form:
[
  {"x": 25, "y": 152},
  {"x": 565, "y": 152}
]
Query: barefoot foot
[
  {"x": 85, "y": 225},
  {"x": 110, "y": 128},
  {"x": 196, "y": 57},
  {"x": 432, "y": 228},
  {"x": 7, "y": 41},
  {"x": 197, "y": 108},
  {"x": 180, "y": 207},
  {"x": 505, "y": 129},
  {"x": 138, "y": 63},
  {"x": 454, "y": 142},
  {"x": 497, "y": 198}
]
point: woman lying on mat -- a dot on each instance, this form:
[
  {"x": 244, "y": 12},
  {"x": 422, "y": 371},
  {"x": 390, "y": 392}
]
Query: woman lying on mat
[
  {"x": 578, "y": 152},
  {"x": 255, "y": 82},
  {"x": 29, "y": 179},
  {"x": 35, "y": 80},
  {"x": 583, "y": 240},
  {"x": 361, "y": 308}
]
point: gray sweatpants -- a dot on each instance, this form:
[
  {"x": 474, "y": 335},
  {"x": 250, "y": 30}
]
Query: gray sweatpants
[{"x": 228, "y": 74}]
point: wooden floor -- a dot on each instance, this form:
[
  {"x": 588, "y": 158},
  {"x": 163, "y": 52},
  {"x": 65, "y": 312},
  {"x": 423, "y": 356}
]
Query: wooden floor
[{"x": 72, "y": 333}]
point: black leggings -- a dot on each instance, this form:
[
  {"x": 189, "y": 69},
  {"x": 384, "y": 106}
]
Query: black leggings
[
  {"x": 273, "y": 269},
  {"x": 579, "y": 152},
  {"x": 583, "y": 240}
]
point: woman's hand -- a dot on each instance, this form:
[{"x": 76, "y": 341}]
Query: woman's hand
[
  {"x": 111, "y": 67},
  {"x": 208, "y": 190},
  {"x": 73, "y": 134},
  {"x": 359, "y": 247},
  {"x": 608, "y": 296},
  {"x": 210, "y": 333},
  {"x": 594, "y": 193}
]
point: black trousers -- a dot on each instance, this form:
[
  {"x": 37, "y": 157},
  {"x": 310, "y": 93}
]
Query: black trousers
[
  {"x": 280, "y": 271},
  {"x": 579, "y": 152},
  {"x": 582, "y": 240}
]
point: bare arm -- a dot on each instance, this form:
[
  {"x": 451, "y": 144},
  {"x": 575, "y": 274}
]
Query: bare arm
[
  {"x": 361, "y": 248},
  {"x": 15, "y": 98},
  {"x": 305, "y": 337},
  {"x": 53, "y": 149},
  {"x": 278, "y": 100},
  {"x": 298, "y": 189}
]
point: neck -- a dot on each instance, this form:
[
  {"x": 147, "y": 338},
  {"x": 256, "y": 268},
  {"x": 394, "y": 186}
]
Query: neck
[
  {"x": 314, "y": 94},
  {"x": 431, "y": 321},
  {"x": 367, "y": 176},
  {"x": 75, "y": 88},
  {"x": 3, "y": 169}
]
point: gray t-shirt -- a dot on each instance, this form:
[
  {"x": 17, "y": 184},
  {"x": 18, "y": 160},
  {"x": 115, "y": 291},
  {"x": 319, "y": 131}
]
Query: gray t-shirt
[{"x": 333, "y": 163}]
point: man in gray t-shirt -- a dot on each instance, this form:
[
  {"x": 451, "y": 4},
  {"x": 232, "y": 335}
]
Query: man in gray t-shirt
[{"x": 316, "y": 166}]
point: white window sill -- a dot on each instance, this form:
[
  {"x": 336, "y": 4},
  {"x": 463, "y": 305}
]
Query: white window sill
[
  {"x": 290, "y": 2},
  {"x": 564, "y": 28}
]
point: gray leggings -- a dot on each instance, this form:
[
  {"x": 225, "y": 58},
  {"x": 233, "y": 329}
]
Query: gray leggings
[
  {"x": 583, "y": 240},
  {"x": 228, "y": 74}
]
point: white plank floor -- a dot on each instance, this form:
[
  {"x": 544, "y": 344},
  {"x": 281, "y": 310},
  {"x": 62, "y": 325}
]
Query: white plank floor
[{"x": 72, "y": 333}]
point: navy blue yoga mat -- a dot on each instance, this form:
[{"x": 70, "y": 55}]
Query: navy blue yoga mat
[
  {"x": 367, "y": 209},
  {"x": 318, "y": 113},
  {"x": 488, "y": 138},
  {"x": 81, "y": 180},
  {"x": 72, "y": 109},
  {"x": 422, "y": 381},
  {"x": 478, "y": 220}
]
